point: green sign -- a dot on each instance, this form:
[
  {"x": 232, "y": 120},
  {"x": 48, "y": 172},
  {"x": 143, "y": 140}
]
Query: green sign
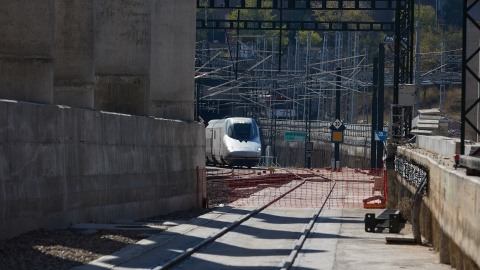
[{"x": 294, "y": 136}]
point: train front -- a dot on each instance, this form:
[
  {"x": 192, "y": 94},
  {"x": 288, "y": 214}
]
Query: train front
[{"x": 242, "y": 141}]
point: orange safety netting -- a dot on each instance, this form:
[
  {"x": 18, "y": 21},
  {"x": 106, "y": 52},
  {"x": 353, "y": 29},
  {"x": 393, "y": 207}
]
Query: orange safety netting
[{"x": 284, "y": 187}]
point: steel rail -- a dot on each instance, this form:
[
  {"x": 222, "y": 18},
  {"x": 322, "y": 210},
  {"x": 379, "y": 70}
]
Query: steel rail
[
  {"x": 306, "y": 232},
  {"x": 290, "y": 259}
]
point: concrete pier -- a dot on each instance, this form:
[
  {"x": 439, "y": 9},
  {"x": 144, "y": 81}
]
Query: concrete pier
[{"x": 27, "y": 50}]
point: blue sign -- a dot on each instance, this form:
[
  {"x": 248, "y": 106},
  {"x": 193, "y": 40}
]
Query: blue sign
[{"x": 380, "y": 136}]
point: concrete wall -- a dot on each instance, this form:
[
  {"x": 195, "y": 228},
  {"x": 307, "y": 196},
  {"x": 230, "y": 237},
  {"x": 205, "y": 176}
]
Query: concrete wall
[
  {"x": 450, "y": 217},
  {"x": 60, "y": 166}
]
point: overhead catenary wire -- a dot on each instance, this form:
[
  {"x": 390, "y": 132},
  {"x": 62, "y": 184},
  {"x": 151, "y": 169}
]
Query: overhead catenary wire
[{"x": 259, "y": 77}]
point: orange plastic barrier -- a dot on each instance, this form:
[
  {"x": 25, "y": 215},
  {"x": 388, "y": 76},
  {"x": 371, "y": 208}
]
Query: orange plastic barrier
[{"x": 298, "y": 187}]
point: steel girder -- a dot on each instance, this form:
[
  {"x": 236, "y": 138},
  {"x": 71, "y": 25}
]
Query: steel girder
[
  {"x": 301, "y": 4},
  {"x": 470, "y": 55}
]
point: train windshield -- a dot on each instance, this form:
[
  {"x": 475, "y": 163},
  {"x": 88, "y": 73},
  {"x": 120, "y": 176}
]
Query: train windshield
[{"x": 243, "y": 131}]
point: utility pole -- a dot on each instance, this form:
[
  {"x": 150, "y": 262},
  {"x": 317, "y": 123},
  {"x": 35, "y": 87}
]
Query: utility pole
[
  {"x": 442, "y": 84},
  {"x": 373, "y": 150},
  {"x": 321, "y": 98},
  {"x": 338, "y": 113},
  {"x": 297, "y": 65},
  {"x": 417, "y": 68},
  {"x": 348, "y": 94},
  {"x": 307, "y": 71},
  {"x": 381, "y": 88}
]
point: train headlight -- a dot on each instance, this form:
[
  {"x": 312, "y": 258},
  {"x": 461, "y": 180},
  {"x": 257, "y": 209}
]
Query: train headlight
[
  {"x": 230, "y": 148},
  {"x": 259, "y": 149}
]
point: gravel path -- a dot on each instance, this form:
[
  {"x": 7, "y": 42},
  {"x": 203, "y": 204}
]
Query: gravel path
[{"x": 42, "y": 249}]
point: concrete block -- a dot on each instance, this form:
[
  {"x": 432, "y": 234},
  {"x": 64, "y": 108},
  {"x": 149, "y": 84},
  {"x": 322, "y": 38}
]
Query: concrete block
[
  {"x": 92, "y": 158},
  {"x": 199, "y": 134},
  {"x": 114, "y": 191},
  {"x": 110, "y": 212},
  {"x": 23, "y": 160},
  {"x": 4, "y": 164},
  {"x": 427, "y": 126},
  {"x": 77, "y": 95},
  {"x": 51, "y": 160},
  {"x": 28, "y": 26},
  {"x": 182, "y": 132},
  {"x": 128, "y": 130},
  {"x": 75, "y": 184},
  {"x": 52, "y": 204},
  {"x": 31, "y": 188},
  {"x": 3, "y": 122},
  {"x": 187, "y": 162},
  {"x": 438, "y": 144},
  {"x": 154, "y": 158},
  {"x": 173, "y": 55},
  {"x": 149, "y": 194},
  {"x": 73, "y": 160},
  {"x": 83, "y": 200},
  {"x": 163, "y": 160},
  {"x": 28, "y": 79},
  {"x": 93, "y": 127},
  {"x": 161, "y": 132},
  {"x": 121, "y": 161},
  {"x": 429, "y": 117},
  {"x": 112, "y": 128},
  {"x": 22, "y": 122},
  {"x": 145, "y": 129},
  {"x": 130, "y": 210},
  {"x": 74, "y": 42},
  {"x": 167, "y": 154},
  {"x": 50, "y": 126},
  {"x": 141, "y": 162},
  {"x": 122, "y": 94},
  {"x": 110, "y": 158},
  {"x": 429, "y": 111},
  {"x": 183, "y": 110},
  {"x": 171, "y": 134},
  {"x": 122, "y": 37},
  {"x": 167, "y": 134},
  {"x": 38, "y": 79},
  {"x": 128, "y": 154},
  {"x": 468, "y": 226},
  {"x": 74, "y": 125}
]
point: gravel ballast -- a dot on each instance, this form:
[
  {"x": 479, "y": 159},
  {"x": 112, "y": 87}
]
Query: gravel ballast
[{"x": 64, "y": 249}]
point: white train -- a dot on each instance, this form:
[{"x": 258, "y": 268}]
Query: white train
[{"x": 233, "y": 142}]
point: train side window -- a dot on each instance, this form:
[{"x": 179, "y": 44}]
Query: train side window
[
  {"x": 254, "y": 130},
  {"x": 230, "y": 132}
]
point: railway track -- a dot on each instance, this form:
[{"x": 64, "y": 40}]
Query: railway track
[
  {"x": 267, "y": 226},
  {"x": 181, "y": 259}
]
